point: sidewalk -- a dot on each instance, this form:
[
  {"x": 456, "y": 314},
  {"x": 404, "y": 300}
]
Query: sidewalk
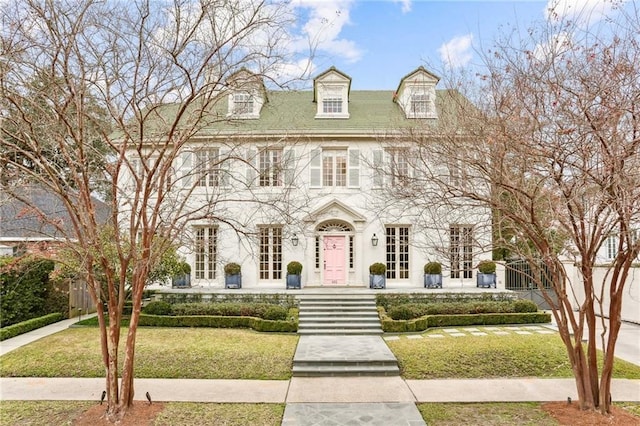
[{"x": 315, "y": 390}]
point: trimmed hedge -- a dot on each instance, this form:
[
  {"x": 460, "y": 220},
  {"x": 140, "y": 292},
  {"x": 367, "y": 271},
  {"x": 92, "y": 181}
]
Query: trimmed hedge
[
  {"x": 260, "y": 310},
  {"x": 29, "y": 325},
  {"x": 288, "y": 300},
  {"x": 427, "y": 321},
  {"x": 257, "y": 324},
  {"x": 416, "y": 310},
  {"x": 387, "y": 300}
]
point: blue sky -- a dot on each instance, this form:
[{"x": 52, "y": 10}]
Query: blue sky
[{"x": 379, "y": 42}]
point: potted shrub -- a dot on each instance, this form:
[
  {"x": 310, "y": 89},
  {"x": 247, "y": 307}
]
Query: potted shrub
[
  {"x": 181, "y": 276},
  {"x": 486, "y": 274},
  {"x": 294, "y": 277},
  {"x": 377, "y": 275},
  {"x": 433, "y": 275},
  {"x": 232, "y": 276}
]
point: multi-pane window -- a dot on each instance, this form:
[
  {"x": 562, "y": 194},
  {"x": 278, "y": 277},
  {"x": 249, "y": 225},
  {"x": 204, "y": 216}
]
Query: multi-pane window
[
  {"x": 461, "y": 251},
  {"x": 334, "y": 168},
  {"x": 612, "y": 247},
  {"x": 206, "y": 252},
  {"x": 271, "y": 167},
  {"x": 397, "y": 252},
  {"x": 207, "y": 171},
  {"x": 332, "y": 105},
  {"x": 242, "y": 103},
  {"x": 420, "y": 104},
  {"x": 270, "y": 252},
  {"x": 399, "y": 162}
]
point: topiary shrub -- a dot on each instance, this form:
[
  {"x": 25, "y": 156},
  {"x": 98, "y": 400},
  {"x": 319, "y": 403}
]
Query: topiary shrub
[
  {"x": 433, "y": 268},
  {"x": 294, "y": 268},
  {"x": 232, "y": 269},
  {"x": 377, "y": 268},
  {"x": 487, "y": 267},
  {"x": 157, "y": 307},
  {"x": 276, "y": 313}
]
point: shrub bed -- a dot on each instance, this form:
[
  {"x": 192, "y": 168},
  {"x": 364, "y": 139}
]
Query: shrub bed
[
  {"x": 416, "y": 310},
  {"x": 29, "y": 325},
  {"x": 394, "y": 299},
  {"x": 257, "y": 324},
  {"x": 259, "y": 310},
  {"x": 420, "y": 324}
]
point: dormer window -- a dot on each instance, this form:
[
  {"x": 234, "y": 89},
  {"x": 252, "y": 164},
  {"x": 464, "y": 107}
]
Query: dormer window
[
  {"x": 416, "y": 94},
  {"x": 420, "y": 104},
  {"x": 332, "y": 105},
  {"x": 331, "y": 94},
  {"x": 242, "y": 104},
  {"x": 247, "y": 95}
]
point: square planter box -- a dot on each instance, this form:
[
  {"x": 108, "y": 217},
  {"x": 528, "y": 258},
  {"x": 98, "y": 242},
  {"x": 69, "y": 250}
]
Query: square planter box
[
  {"x": 182, "y": 281},
  {"x": 233, "y": 281},
  {"x": 294, "y": 281},
  {"x": 486, "y": 280},
  {"x": 377, "y": 281},
  {"x": 433, "y": 280}
]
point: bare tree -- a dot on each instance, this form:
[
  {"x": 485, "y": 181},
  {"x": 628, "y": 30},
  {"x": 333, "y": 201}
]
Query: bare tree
[
  {"x": 143, "y": 78},
  {"x": 552, "y": 147}
]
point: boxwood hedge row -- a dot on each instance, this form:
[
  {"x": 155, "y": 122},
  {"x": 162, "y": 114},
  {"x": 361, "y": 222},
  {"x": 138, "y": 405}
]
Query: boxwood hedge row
[
  {"x": 257, "y": 324},
  {"x": 409, "y": 311},
  {"x": 420, "y": 324},
  {"x": 260, "y": 310},
  {"x": 29, "y": 325}
]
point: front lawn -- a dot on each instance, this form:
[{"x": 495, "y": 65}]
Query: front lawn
[
  {"x": 190, "y": 353},
  {"x": 495, "y": 356}
]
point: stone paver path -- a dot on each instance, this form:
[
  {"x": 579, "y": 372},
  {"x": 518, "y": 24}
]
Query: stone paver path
[
  {"x": 526, "y": 330},
  {"x": 377, "y": 414}
]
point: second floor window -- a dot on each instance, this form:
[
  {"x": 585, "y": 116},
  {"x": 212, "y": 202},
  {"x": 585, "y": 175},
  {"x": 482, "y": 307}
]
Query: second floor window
[
  {"x": 271, "y": 167},
  {"x": 334, "y": 168},
  {"x": 207, "y": 171},
  {"x": 399, "y": 166}
]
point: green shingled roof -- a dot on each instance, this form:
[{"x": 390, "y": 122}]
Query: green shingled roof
[{"x": 371, "y": 112}]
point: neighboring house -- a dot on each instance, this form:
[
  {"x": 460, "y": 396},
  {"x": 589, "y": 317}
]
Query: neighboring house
[
  {"x": 321, "y": 157},
  {"x": 38, "y": 225}
]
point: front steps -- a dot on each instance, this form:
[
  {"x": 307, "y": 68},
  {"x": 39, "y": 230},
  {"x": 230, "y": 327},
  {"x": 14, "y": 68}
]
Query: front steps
[
  {"x": 340, "y": 336},
  {"x": 322, "y": 356},
  {"x": 338, "y": 314}
]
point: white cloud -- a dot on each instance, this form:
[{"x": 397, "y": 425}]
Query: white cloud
[
  {"x": 583, "y": 12},
  {"x": 457, "y": 51},
  {"x": 321, "y": 31},
  {"x": 406, "y": 5},
  {"x": 557, "y": 45}
]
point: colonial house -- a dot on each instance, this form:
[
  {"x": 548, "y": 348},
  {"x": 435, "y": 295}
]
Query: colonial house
[{"x": 306, "y": 176}]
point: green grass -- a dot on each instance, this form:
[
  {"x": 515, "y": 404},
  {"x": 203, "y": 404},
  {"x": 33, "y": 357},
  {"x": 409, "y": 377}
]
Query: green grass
[
  {"x": 198, "y": 414},
  {"x": 47, "y": 413},
  {"x": 41, "y": 412},
  {"x": 489, "y": 357},
  {"x": 486, "y": 414},
  {"x": 190, "y": 353}
]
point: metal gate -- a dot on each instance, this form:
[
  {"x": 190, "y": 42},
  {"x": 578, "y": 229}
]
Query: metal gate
[{"x": 519, "y": 278}]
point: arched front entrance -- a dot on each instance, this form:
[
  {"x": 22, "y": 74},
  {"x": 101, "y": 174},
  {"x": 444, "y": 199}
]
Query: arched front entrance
[{"x": 335, "y": 252}]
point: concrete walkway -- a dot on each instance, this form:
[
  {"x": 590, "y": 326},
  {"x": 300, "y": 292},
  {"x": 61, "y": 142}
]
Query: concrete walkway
[{"x": 314, "y": 390}]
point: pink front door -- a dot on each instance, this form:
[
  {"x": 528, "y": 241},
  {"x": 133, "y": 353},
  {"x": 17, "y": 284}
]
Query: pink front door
[{"x": 334, "y": 260}]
